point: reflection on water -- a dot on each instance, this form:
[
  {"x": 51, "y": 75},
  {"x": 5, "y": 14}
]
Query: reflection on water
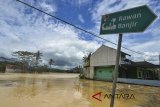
[{"x": 66, "y": 90}]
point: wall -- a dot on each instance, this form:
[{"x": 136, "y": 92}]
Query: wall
[
  {"x": 103, "y": 56},
  {"x": 8, "y": 70},
  {"x": 86, "y": 72},
  {"x": 91, "y": 72},
  {"x": 138, "y": 81},
  {"x": 132, "y": 73}
]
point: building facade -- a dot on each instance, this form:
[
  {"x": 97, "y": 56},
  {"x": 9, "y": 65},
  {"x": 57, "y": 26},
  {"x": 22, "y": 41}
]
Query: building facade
[
  {"x": 12, "y": 69},
  {"x": 140, "y": 70},
  {"x": 101, "y": 65}
]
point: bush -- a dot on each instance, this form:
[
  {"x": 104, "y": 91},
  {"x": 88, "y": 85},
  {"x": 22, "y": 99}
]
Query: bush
[{"x": 81, "y": 76}]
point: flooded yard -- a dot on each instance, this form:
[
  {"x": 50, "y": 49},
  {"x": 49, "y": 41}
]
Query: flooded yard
[{"x": 66, "y": 90}]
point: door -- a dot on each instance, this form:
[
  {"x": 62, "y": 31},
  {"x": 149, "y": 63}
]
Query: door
[{"x": 103, "y": 73}]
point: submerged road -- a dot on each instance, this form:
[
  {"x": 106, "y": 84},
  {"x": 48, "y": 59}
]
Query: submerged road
[{"x": 67, "y": 90}]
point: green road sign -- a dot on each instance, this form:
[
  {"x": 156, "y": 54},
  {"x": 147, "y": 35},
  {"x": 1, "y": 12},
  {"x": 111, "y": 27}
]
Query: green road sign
[{"x": 131, "y": 20}]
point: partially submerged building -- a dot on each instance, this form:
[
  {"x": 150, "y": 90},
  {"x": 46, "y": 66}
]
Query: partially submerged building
[
  {"x": 102, "y": 62},
  {"x": 140, "y": 70},
  {"x": 13, "y": 69}
]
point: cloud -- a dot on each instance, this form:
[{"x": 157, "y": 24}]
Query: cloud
[
  {"x": 27, "y": 29},
  {"x": 81, "y": 18},
  {"x": 48, "y": 8},
  {"x": 108, "y": 6},
  {"x": 78, "y": 3},
  {"x": 34, "y": 31},
  {"x": 143, "y": 42}
]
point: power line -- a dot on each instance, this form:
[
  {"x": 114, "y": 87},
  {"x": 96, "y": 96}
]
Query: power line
[{"x": 79, "y": 27}]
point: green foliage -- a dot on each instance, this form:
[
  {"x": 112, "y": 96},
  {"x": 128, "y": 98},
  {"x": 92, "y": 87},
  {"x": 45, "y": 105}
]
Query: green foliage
[
  {"x": 77, "y": 69},
  {"x": 51, "y": 62},
  {"x": 39, "y": 69},
  {"x": 2, "y": 66},
  {"x": 37, "y": 56},
  {"x": 28, "y": 59},
  {"x": 86, "y": 58},
  {"x": 23, "y": 55},
  {"x": 81, "y": 76}
]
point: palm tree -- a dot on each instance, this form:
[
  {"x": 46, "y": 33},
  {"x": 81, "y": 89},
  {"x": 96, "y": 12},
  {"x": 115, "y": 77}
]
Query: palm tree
[
  {"x": 38, "y": 57},
  {"x": 51, "y": 62}
]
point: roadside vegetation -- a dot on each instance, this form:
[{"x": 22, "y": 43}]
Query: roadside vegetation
[{"x": 30, "y": 62}]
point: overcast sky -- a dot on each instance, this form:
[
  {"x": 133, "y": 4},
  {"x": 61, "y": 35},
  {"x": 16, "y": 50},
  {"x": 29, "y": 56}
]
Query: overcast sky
[{"x": 23, "y": 28}]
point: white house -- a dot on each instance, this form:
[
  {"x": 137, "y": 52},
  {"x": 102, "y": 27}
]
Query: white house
[{"x": 102, "y": 62}]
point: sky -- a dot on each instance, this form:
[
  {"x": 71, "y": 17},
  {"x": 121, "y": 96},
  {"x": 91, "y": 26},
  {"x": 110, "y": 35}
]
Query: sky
[{"x": 26, "y": 29}]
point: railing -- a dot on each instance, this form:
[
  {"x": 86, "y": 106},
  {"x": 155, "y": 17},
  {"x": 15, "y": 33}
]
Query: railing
[{"x": 125, "y": 61}]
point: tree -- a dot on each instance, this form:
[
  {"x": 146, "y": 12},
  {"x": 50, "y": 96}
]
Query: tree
[
  {"x": 86, "y": 58},
  {"x": 38, "y": 57},
  {"x": 77, "y": 69},
  {"x": 51, "y": 62},
  {"x": 25, "y": 57}
]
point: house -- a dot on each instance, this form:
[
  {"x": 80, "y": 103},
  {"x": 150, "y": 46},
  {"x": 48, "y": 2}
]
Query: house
[
  {"x": 12, "y": 69},
  {"x": 4, "y": 61},
  {"x": 139, "y": 70},
  {"x": 101, "y": 65}
]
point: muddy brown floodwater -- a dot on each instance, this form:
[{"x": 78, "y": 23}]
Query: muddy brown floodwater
[{"x": 66, "y": 90}]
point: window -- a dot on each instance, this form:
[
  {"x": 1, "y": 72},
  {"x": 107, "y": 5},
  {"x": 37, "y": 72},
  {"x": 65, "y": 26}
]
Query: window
[
  {"x": 139, "y": 74},
  {"x": 147, "y": 75}
]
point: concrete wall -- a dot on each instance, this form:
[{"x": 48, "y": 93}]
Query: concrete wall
[
  {"x": 86, "y": 72},
  {"x": 103, "y": 56},
  {"x": 8, "y": 70},
  {"x": 91, "y": 72},
  {"x": 139, "y": 81}
]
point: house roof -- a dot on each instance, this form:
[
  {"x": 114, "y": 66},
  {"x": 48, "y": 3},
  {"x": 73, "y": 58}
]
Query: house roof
[
  {"x": 141, "y": 64},
  {"x": 113, "y": 49}
]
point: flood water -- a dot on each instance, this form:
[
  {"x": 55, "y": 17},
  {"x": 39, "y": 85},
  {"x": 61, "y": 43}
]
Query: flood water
[{"x": 66, "y": 90}]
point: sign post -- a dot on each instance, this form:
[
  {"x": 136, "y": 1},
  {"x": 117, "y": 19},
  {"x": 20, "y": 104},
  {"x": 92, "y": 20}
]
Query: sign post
[
  {"x": 127, "y": 21},
  {"x": 116, "y": 69}
]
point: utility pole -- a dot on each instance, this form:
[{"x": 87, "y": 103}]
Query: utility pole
[
  {"x": 116, "y": 70},
  {"x": 159, "y": 59},
  {"x": 159, "y": 68}
]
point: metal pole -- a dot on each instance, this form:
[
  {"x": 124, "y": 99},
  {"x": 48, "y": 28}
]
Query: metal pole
[
  {"x": 159, "y": 59},
  {"x": 159, "y": 68},
  {"x": 116, "y": 70}
]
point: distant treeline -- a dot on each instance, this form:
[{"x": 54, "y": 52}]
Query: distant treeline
[
  {"x": 39, "y": 69},
  {"x": 45, "y": 68},
  {"x": 31, "y": 62}
]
